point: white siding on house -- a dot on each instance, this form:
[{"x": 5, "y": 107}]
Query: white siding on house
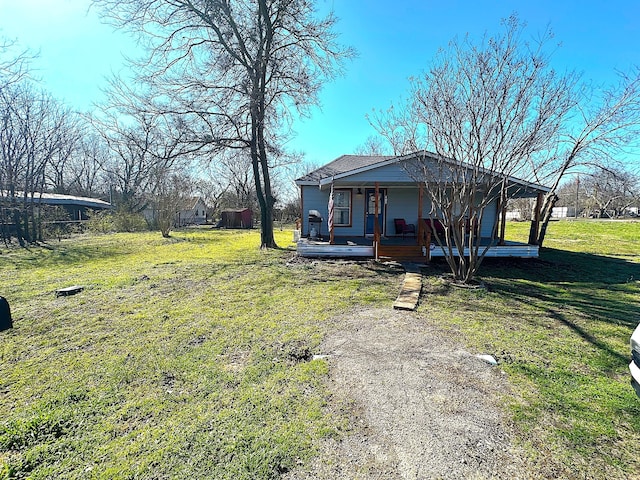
[
  {"x": 196, "y": 215},
  {"x": 489, "y": 219},
  {"x": 402, "y": 203},
  {"x": 563, "y": 212}
]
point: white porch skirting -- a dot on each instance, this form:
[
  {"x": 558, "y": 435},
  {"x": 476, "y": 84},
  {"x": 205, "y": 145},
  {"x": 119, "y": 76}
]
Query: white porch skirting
[
  {"x": 313, "y": 249},
  {"x": 307, "y": 248},
  {"x": 519, "y": 250}
]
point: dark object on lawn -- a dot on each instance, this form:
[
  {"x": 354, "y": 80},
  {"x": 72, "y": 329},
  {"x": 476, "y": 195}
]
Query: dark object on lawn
[
  {"x": 65, "y": 292},
  {"x": 5, "y": 315}
]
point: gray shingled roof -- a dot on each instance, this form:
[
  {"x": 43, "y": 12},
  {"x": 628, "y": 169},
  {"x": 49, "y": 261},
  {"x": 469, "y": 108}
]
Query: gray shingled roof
[
  {"x": 349, "y": 163},
  {"x": 343, "y": 164}
]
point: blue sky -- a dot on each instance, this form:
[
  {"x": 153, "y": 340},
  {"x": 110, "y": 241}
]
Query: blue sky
[{"x": 395, "y": 40}]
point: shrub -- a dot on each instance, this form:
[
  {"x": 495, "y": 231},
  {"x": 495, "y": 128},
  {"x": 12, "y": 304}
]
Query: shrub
[{"x": 118, "y": 221}]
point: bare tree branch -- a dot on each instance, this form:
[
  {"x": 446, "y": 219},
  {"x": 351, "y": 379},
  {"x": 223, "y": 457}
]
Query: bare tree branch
[{"x": 234, "y": 69}]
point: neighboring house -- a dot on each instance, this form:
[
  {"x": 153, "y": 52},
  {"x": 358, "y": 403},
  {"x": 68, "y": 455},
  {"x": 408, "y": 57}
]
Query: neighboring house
[
  {"x": 514, "y": 215},
  {"x": 356, "y": 180},
  {"x": 195, "y": 214},
  {"x": 192, "y": 211}
]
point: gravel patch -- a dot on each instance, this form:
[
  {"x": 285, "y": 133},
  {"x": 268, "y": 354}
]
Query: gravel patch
[{"x": 420, "y": 406}]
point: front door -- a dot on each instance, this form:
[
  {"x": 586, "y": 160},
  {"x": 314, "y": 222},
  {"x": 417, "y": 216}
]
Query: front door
[{"x": 370, "y": 210}]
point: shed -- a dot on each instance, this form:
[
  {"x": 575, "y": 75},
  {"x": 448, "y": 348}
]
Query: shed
[{"x": 237, "y": 218}]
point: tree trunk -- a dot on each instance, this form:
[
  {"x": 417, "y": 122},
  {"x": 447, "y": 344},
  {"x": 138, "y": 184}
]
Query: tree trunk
[
  {"x": 261, "y": 173},
  {"x": 266, "y": 212},
  {"x": 17, "y": 222},
  {"x": 535, "y": 221},
  {"x": 549, "y": 202}
]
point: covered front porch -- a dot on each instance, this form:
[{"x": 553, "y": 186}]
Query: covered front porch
[
  {"x": 358, "y": 206},
  {"x": 419, "y": 243},
  {"x": 405, "y": 249}
]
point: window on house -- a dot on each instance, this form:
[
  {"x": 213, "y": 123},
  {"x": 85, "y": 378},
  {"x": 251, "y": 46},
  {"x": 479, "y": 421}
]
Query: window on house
[{"x": 342, "y": 208}]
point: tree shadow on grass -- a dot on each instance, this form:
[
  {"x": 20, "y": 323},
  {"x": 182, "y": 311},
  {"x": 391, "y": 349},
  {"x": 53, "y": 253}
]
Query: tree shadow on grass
[
  {"x": 62, "y": 255},
  {"x": 564, "y": 266},
  {"x": 561, "y": 283}
]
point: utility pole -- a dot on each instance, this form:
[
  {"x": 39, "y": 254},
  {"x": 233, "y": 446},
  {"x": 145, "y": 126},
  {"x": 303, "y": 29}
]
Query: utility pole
[{"x": 577, "y": 194}]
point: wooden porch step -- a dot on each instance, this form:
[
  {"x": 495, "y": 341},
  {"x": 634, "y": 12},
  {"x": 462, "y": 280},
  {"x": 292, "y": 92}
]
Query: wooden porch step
[{"x": 404, "y": 253}]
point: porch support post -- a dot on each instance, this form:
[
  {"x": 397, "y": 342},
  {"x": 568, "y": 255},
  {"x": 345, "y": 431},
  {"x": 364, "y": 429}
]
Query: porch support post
[
  {"x": 503, "y": 216},
  {"x": 503, "y": 222},
  {"x": 420, "y": 225},
  {"x": 376, "y": 225},
  {"x": 535, "y": 221}
]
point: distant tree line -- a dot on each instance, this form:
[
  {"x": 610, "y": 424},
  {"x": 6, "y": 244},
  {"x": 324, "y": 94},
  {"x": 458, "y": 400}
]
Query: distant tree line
[
  {"x": 207, "y": 113},
  {"x": 602, "y": 193},
  {"x": 134, "y": 159}
]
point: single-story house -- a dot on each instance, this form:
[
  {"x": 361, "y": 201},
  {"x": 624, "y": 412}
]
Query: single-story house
[
  {"x": 194, "y": 213},
  {"x": 563, "y": 212},
  {"x": 190, "y": 211},
  {"x": 373, "y": 196}
]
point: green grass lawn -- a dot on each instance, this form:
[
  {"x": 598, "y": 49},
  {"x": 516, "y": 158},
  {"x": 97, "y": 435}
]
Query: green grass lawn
[
  {"x": 560, "y": 328},
  {"x": 182, "y": 358},
  {"x": 190, "y": 357}
]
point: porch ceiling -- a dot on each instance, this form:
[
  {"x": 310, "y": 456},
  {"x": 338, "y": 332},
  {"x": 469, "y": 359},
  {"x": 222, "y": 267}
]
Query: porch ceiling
[{"x": 518, "y": 192}]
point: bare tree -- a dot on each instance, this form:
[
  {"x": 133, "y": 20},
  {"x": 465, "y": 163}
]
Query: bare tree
[
  {"x": 85, "y": 171},
  {"x": 14, "y": 66},
  {"x": 144, "y": 147},
  {"x": 399, "y": 127},
  {"x": 239, "y": 67},
  {"x": 211, "y": 185},
  {"x": 238, "y": 172},
  {"x": 288, "y": 190},
  {"x": 611, "y": 191},
  {"x": 496, "y": 110},
  {"x": 522, "y": 207},
  {"x": 487, "y": 111},
  {"x": 57, "y": 171},
  {"x": 607, "y": 122},
  {"x": 174, "y": 190},
  {"x": 34, "y": 129},
  {"x": 373, "y": 145}
]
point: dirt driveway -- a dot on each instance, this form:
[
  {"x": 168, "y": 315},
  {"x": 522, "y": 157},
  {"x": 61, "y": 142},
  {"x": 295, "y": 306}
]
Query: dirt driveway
[{"x": 421, "y": 407}]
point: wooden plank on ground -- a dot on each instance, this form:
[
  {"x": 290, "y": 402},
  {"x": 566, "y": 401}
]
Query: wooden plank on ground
[
  {"x": 410, "y": 292},
  {"x": 64, "y": 292}
]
